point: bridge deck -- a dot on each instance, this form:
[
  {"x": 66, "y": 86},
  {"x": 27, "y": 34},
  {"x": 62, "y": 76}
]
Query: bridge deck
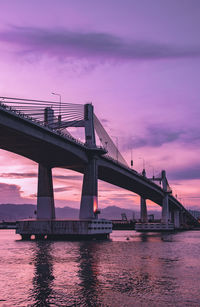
[{"x": 30, "y": 139}]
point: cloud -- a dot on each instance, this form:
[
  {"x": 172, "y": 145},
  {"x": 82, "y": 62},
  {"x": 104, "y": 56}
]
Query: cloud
[
  {"x": 62, "y": 189},
  {"x": 69, "y": 177},
  {"x": 4, "y": 187},
  {"x": 185, "y": 173},
  {"x": 155, "y": 136},
  {"x": 12, "y": 193},
  {"x": 65, "y": 44},
  {"x": 34, "y": 175},
  {"x": 18, "y": 175}
]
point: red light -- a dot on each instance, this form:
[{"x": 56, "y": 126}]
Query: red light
[{"x": 95, "y": 205}]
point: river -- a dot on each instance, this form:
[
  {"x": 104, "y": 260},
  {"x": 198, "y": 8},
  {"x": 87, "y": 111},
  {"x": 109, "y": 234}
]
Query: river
[{"x": 130, "y": 269}]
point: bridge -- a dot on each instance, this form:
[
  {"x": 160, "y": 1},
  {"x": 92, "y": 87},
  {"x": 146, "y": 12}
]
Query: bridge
[{"x": 38, "y": 130}]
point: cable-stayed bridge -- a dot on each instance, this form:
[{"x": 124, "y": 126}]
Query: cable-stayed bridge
[{"x": 39, "y": 130}]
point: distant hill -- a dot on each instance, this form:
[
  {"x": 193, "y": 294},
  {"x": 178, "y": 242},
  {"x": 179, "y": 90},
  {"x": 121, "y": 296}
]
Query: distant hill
[
  {"x": 114, "y": 213},
  {"x": 13, "y": 212}
]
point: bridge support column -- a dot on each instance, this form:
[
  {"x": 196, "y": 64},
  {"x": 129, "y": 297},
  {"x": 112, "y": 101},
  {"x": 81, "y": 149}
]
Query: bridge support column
[
  {"x": 176, "y": 219},
  {"x": 170, "y": 216},
  {"x": 143, "y": 210},
  {"x": 182, "y": 219},
  {"x": 165, "y": 210},
  {"x": 89, "y": 199},
  {"x": 45, "y": 197}
]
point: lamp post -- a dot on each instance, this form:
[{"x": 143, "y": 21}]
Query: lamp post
[
  {"x": 152, "y": 169},
  {"x": 59, "y": 116},
  {"x": 143, "y": 162},
  {"x": 131, "y": 158}
]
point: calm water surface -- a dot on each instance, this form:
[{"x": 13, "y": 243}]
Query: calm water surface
[{"x": 146, "y": 270}]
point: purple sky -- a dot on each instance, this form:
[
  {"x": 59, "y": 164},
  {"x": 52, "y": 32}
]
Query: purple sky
[{"x": 139, "y": 64}]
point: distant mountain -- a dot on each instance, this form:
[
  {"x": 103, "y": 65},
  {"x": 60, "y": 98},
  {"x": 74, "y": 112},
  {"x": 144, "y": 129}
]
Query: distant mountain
[
  {"x": 67, "y": 213},
  {"x": 11, "y": 212},
  {"x": 114, "y": 213}
]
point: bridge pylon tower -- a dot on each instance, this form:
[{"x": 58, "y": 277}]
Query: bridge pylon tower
[
  {"x": 165, "y": 206},
  {"x": 89, "y": 125},
  {"x": 89, "y": 197}
]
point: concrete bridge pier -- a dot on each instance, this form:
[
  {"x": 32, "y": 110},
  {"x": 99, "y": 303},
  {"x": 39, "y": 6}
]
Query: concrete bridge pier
[
  {"x": 89, "y": 197},
  {"x": 143, "y": 206},
  {"x": 171, "y": 215},
  {"x": 182, "y": 219},
  {"x": 143, "y": 210},
  {"x": 165, "y": 206},
  {"x": 176, "y": 218},
  {"x": 165, "y": 210},
  {"x": 45, "y": 197}
]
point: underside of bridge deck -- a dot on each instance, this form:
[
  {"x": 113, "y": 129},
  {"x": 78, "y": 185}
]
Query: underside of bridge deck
[{"x": 40, "y": 150}]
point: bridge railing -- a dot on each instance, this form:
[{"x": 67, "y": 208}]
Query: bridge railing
[
  {"x": 131, "y": 170},
  {"x": 12, "y": 106},
  {"x": 8, "y": 105},
  {"x": 36, "y": 109}
]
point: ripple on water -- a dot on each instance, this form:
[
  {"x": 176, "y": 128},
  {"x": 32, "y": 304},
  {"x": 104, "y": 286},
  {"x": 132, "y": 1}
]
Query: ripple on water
[{"x": 146, "y": 270}]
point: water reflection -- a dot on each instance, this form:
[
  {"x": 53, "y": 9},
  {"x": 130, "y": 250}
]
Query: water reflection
[
  {"x": 104, "y": 272},
  {"x": 143, "y": 267},
  {"x": 161, "y": 271},
  {"x": 167, "y": 237},
  {"x": 45, "y": 292},
  {"x": 156, "y": 236},
  {"x": 88, "y": 274},
  {"x": 144, "y": 237},
  {"x": 43, "y": 276}
]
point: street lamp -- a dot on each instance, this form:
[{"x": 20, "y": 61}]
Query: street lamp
[
  {"x": 131, "y": 158},
  {"x": 59, "y": 116},
  {"x": 143, "y": 162},
  {"x": 152, "y": 169}
]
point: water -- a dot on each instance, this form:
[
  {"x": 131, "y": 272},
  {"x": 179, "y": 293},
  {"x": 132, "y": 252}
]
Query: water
[{"x": 146, "y": 270}]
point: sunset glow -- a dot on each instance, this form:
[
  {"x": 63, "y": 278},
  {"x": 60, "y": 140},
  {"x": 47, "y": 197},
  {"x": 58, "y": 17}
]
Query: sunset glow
[{"x": 141, "y": 74}]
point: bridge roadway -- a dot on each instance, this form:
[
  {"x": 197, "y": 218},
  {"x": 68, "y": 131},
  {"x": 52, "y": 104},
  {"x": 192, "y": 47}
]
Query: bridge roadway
[{"x": 22, "y": 135}]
